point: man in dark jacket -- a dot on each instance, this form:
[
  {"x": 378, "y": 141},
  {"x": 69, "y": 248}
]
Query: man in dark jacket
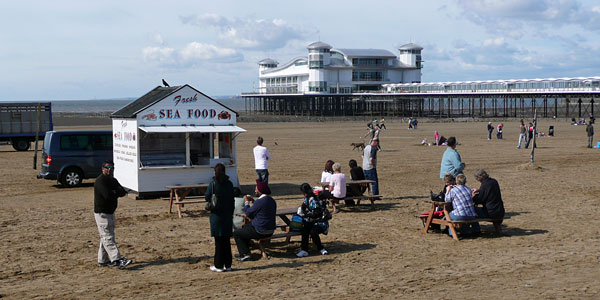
[
  {"x": 106, "y": 192},
  {"x": 489, "y": 195},
  {"x": 262, "y": 212}
]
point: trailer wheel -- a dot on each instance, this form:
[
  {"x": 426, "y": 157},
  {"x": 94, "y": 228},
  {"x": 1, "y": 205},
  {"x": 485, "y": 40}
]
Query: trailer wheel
[
  {"x": 21, "y": 144},
  {"x": 71, "y": 177}
]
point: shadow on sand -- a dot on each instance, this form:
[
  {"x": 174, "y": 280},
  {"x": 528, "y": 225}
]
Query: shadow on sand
[{"x": 159, "y": 262}]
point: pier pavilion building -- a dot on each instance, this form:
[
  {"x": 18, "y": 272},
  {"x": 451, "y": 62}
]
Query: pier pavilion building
[
  {"x": 340, "y": 71},
  {"x": 374, "y": 82}
]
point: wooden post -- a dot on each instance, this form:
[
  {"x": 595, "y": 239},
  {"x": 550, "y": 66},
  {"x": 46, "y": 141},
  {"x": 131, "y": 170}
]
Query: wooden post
[{"x": 37, "y": 135}]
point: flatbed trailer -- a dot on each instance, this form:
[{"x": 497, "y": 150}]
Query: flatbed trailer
[{"x": 18, "y": 122}]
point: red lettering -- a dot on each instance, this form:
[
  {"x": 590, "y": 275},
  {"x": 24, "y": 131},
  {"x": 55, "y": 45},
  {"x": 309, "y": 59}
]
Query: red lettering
[
  {"x": 213, "y": 113},
  {"x": 176, "y": 116},
  {"x": 190, "y": 112},
  {"x": 197, "y": 113},
  {"x": 204, "y": 114},
  {"x": 161, "y": 114},
  {"x": 169, "y": 114}
]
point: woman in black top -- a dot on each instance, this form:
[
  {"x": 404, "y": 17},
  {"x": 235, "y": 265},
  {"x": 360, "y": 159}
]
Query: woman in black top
[
  {"x": 221, "y": 218},
  {"x": 356, "y": 173}
]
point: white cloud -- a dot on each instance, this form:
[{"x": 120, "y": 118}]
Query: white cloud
[
  {"x": 193, "y": 54},
  {"x": 256, "y": 34}
]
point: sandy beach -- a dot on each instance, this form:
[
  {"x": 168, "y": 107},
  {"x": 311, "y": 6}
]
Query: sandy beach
[{"x": 50, "y": 240}]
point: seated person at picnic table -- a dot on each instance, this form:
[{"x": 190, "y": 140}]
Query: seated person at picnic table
[
  {"x": 449, "y": 180},
  {"x": 462, "y": 204},
  {"x": 314, "y": 220},
  {"x": 238, "y": 210},
  {"x": 337, "y": 186},
  {"x": 356, "y": 173},
  {"x": 328, "y": 171},
  {"x": 489, "y": 195},
  {"x": 263, "y": 213}
]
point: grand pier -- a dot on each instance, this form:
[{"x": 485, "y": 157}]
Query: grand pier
[{"x": 552, "y": 97}]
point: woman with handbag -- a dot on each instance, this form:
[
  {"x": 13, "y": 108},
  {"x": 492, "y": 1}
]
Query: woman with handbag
[
  {"x": 315, "y": 217},
  {"x": 220, "y": 202}
]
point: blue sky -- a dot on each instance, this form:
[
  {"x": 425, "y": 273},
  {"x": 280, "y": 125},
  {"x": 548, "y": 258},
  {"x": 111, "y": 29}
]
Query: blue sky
[{"x": 61, "y": 50}]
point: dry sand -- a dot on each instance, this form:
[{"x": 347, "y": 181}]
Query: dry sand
[{"x": 49, "y": 238}]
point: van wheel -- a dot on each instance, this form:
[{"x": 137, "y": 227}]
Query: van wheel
[
  {"x": 21, "y": 145},
  {"x": 71, "y": 177}
]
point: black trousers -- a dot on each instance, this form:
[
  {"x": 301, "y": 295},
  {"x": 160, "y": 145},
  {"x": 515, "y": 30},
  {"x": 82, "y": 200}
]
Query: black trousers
[
  {"x": 313, "y": 231},
  {"x": 243, "y": 236},
  {"x": 222, "y": 252}
]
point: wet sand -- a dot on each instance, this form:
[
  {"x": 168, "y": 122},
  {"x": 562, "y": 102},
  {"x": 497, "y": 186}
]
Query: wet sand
[{"x": 50, "y": 241}]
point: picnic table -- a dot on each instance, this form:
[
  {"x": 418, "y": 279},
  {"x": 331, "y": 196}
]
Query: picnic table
[
  {"x": 178, "y": 194},
  {"x": 363, "y": 182},
  {"x": 438, "y": 206},
  {"x": 283, "y": 214}
]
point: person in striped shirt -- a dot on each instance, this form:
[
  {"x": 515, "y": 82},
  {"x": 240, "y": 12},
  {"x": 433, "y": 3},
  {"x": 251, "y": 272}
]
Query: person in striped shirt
[{"x": 462, "y": 205}]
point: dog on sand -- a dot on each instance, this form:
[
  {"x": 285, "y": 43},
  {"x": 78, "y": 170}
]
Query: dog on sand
[{"x": 360, "y": 146}]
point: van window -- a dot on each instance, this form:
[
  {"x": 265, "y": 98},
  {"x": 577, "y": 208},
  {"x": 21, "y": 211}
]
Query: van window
[
  {"x": 74, "y": 142},
  {"x": 101, "y": 142},
  {"x": 85, "y": 142}
]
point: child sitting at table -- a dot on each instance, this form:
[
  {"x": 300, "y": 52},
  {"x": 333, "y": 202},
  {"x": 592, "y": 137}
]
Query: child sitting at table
[{"x": 315, "y": 220}]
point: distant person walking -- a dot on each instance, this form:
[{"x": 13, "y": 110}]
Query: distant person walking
[
  {"x": 522, "y": 133},
  {"x": 529, "y": 135},
  {"x": 261, "y": 156},
  {"x": 369, "y": 165},
  {"x": 490, "y": 129},
  {"x": 590, "y": 133},
  {"x": 451, "y": 161},
  {"x": 499, "y": 131},
  {"x": 107, "y": 190}
]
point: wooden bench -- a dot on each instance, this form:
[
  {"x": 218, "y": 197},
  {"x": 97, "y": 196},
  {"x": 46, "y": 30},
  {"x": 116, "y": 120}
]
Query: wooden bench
[
  {"x": 372, "y": 198},
  {"x": 263, "y": 241},
  {"x": 453, "y": 224}
]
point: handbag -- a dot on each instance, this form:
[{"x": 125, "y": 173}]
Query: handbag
[
  {"x": 296, "y": 223},
  {"x": 210, "y": 205}
]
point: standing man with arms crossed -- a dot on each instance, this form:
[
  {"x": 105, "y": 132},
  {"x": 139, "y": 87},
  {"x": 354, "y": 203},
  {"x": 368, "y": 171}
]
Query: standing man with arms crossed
[
  {"x": 107, "y": 190},
  {"x": 451, "y": 161},
  {"x": 261, "y": 155},
  {"x": 369, "y": 165}
]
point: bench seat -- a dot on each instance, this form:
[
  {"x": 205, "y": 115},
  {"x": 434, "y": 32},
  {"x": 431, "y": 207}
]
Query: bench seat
[
  {"x": 286, "y": 235},
  {"x": 187, "y": 197}
]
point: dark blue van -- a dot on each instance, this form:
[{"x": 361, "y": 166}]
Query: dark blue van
[{"x": 71, "y": 156}]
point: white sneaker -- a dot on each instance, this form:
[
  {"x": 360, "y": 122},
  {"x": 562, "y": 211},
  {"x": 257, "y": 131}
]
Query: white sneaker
[
  {"x": 215, "y": 269},
  {"x": 302, "y": 253},
  {"x": 324, "y": 251}
]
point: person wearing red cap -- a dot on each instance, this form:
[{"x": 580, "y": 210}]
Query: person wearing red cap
[{"x": 262, "y": 212}]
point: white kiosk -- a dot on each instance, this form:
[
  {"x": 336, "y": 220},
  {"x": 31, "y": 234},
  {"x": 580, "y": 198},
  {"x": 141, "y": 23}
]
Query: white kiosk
[{"x": 173, "y": 136}]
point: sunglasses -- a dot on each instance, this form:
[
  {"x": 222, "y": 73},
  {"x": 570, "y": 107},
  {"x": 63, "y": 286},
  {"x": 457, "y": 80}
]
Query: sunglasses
[{"x": 109, "y": 167}]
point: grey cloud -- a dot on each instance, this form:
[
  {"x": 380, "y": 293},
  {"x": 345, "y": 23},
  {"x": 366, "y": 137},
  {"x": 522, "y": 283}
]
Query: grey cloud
[
  {"x": 513, "y": 17},
  {"x": 498, "y": 59},
  {"x": 256, "y": 34}
]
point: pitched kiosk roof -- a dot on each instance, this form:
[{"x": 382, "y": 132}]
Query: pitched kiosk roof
[
  {"x": 158, "y": 93},
  {"x": 410, "y": 46},
  {"x": 366, "y": 52}
]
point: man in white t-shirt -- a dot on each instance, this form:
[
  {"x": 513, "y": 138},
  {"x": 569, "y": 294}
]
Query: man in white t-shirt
[{"x": 261, "y": 155}]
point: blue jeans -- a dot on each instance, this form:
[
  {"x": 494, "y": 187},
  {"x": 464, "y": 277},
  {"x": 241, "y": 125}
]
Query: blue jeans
[
  {"x": 372, "y": 175},
  {"x": 521, "y": 138},
  {"x": 466, "y": 228},
  {"x": 263, "y": 175}
]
